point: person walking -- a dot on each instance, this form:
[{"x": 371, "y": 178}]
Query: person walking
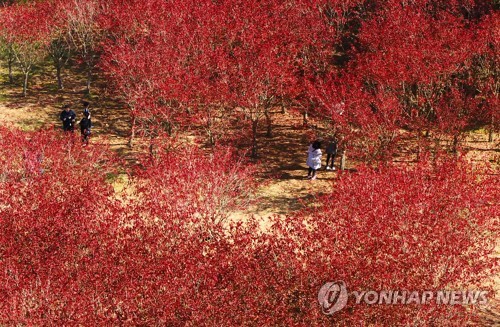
[
  {"x": 68, "y": 117},
  {"x": 86, "y": 109},
  {"x": 313, "y": 159},
  {"x": 331, "y": 153},
  {"x": 85, "y": 126}
]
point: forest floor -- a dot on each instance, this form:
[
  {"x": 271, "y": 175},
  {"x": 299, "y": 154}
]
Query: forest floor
[
  {"x": 281, "y": 158},
  {"x": 282, "y": 169}
]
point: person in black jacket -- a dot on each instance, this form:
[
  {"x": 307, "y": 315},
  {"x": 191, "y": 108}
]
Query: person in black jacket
[
  {"x": 68, "y": 117},
  {"x": 86, "y": 109},
  {"x": 85, "y": 126},
  {"x": 331, "y": 153}
]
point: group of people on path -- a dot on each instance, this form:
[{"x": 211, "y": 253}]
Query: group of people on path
[
  {"x": 314, "y": 156},
  {"x": 68, "y": 118}
]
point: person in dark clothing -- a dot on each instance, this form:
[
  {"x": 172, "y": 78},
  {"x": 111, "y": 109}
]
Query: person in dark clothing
[
  {"x": 86, "y": 109},
  {"x": 68, "y": 117},
  {"x": 85, "y": 127},
  {"x": 331, "y": 152}
]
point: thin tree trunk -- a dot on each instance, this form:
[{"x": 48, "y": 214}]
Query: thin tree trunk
[
  {"x": 304, "y": 118},
  {"x": 419, "y": 146},
  {"x": 89, "y": 76},
  {"x": 254, "y": 138},
  {"x": 11, "y": 77},
  {"x": 132, "y": 132},
  {"x": 152, "y": 153},
  {"x": 211, "y": 138},
  {"x": 169, "y": 128},
  {"x": 343, "y": 160},
  {"x": 25, "y": 84},
  {"x": 59, "y": 77},
  {"x": 435, "y": 150},
  {"x": 269, "y": 123},
  {"x": 491, "y": 131},
  {"x": 455, "y": 144}
]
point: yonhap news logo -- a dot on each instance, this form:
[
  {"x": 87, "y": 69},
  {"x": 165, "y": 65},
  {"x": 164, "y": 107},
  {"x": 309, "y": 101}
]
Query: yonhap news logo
[{"x": 333, "y": 297}]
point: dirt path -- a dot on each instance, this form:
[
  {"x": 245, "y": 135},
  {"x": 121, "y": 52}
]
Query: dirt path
[{"x": 282, "y": 158}]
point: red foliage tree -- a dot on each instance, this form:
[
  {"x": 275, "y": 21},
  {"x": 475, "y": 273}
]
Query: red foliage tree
[
  {"x": 204, "y": 187},
  {"x": 59, "y": 47},
  {"x": 81, "y": 20},
  {"x": 258, "y": 54},
  {"x": 485, "y": 68},
  {"x": 184, "y": 69},
  {"x": 411, "y": 78},
  {"x": 415, "y": 60},
  {"x": 152, "y": 60},
  {"x": 25, "y": 33}
]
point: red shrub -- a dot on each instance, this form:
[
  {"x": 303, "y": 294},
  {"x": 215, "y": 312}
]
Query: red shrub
[
  {"x": 55, "y": 211},
  {"x": 428, "y": 227},
  {"x": 194, "y": 184},
  {"x": 72, "y": 255}
]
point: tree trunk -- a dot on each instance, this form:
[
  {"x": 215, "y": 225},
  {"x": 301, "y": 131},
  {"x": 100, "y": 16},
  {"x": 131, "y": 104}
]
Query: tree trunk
[
  {"x": 59, "y": 77},
  {"x": 343, "y": 160},
  {"x": 455, "y": 144},
  {"x": 211, "y": 139},
  {"x": 25, "y": 84},
  {"x": 304, "y": 118},
  {"x": 419, "y": 146},
  {"x": 435, "y": 151},
  {"x": 11, "y": 77},
  {"x": 254, "y": 138},
  {"x": 89, "y": 77},
  {"x": 210, "y": 134},
  {"x": 491, "y": 131},
  {"x": 132, "y": 133},
  {"x": 152, "y": 153},
  {"x": 269, "y": 123},
  {"x": 169, "y": 128}
]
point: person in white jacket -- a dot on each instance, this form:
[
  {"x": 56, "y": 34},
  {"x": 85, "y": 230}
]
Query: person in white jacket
[{"x": 313, "y": 159}]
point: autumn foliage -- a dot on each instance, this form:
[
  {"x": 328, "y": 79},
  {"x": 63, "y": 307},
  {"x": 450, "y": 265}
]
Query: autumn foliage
[
  {"x": 427, "y": 227},
  {"x": 168, "y": 250},
  {"x": 166, "y": 253},
  {"x": 56, "y": 214},
  {"x": 216, "y": 64}
]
